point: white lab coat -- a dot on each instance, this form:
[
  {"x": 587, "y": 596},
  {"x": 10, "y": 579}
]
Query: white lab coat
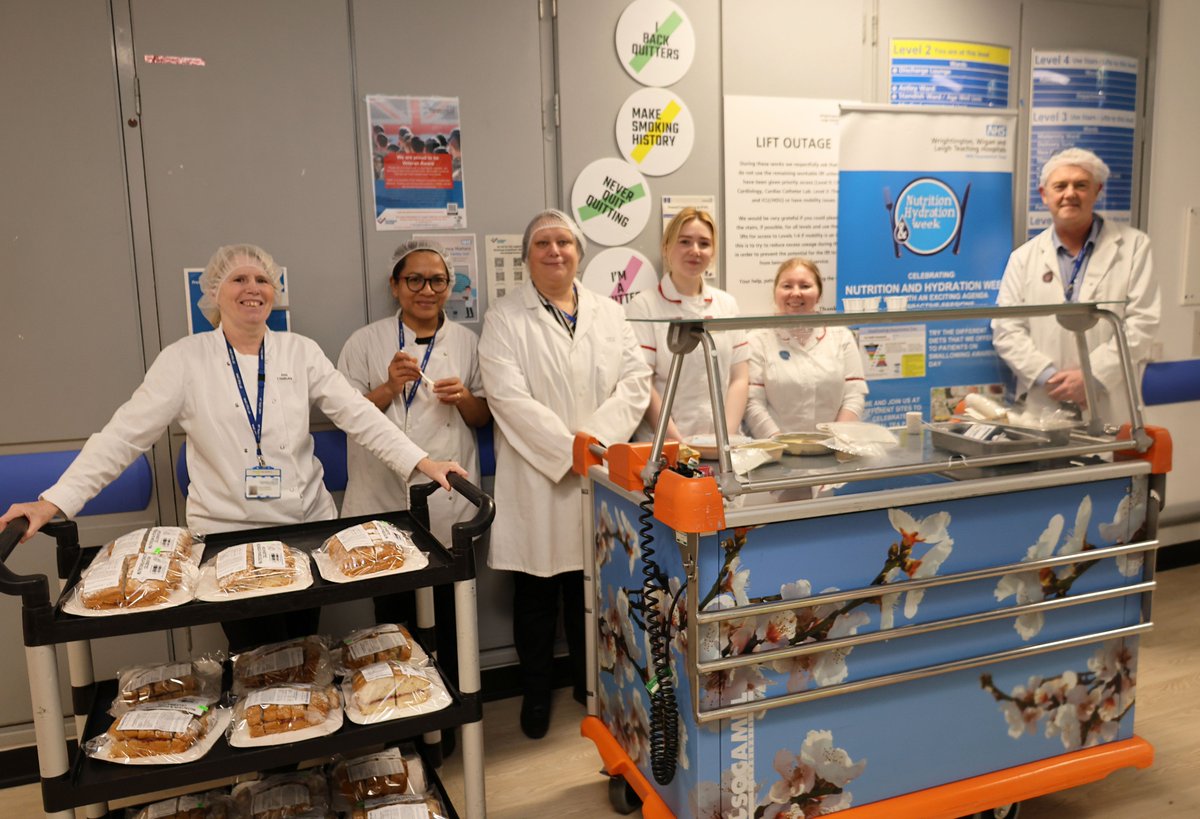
[
  {"x": 1120, "y": 270},
  {"x": 191, "y": 382},
  {"x": 439, "y": 428},
  {"x": 692, "y": 407},
  {"x": 543, "y": 386},
  {"x": 794, "y": 385}
]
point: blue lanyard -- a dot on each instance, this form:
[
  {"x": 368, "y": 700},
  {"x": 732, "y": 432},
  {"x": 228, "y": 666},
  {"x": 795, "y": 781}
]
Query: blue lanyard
[
  {"x": 256, "y": 424},
  {"x": 1080, "y": 260},
  {"x": 409, "y": 396}
]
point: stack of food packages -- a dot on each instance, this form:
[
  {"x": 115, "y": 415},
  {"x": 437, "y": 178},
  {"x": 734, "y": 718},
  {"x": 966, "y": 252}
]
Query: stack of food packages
[
  {"x": 145, "y": 569},
  {"x": 281, "y": 693}
]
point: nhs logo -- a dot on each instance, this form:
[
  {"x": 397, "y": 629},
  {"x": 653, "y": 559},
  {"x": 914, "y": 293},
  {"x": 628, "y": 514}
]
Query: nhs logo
[{"x": 996, "y": 129}]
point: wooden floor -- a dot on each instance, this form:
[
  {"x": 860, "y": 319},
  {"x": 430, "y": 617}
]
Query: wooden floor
[{"x": 560, "y": 776}]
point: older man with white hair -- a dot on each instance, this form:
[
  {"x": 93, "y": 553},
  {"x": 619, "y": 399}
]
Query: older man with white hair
[{"x": 1081, "y": 257}]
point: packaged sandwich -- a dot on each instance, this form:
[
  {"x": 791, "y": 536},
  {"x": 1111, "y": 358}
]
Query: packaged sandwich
[
  {"x": 208, "y": 805},
  {"x": 377, "y": 644},
  {"x": 132, "y": 582},
  {"x": 303, "y": 660},
  {"x": 284, "y": 796},
  {"x": 392, "y": 690},
  {"x": 197, "y": 679},
  {"x": 252, "y": 570},
  {"x": 291, "y": 712},
  {"x": 366, "y": 550},
  {"x": 159, "y": 540},
  {"x": 380, "y": 774},
  {"x": 164, "y": 733}
]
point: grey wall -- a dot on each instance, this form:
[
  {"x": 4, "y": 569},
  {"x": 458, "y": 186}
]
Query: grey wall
[{"x": 118, "y": 173}]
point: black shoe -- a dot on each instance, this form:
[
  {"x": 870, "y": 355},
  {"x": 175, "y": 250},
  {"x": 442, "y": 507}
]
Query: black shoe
[{"x": 535, "y": 716}]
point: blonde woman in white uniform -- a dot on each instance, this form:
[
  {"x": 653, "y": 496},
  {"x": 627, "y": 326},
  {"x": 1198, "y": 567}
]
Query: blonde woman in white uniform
[
  {"x": 688, "y": 247},
  {"x": 557, "y": 359},
  {"x": 804, "y": 375},
  {"x": 242, "y": 394}
]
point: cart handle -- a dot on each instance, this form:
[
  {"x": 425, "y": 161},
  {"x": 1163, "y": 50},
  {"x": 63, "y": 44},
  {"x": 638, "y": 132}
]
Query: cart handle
[
  {"x": 464, "y": 534},
  {"x": 33, "y": 589}
]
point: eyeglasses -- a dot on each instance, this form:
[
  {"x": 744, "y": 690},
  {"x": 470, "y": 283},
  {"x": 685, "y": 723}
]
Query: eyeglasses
[{"x": 417, "y": 283}]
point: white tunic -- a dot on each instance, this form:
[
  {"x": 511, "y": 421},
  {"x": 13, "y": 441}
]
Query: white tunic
[
  {"x": 543, "y": 386},
  {"x": 1119, "y": 271},
  {"x": 192, "y": 382},
  {"x": 692, "y": 408},
  {"x": 371, "y": 486},
  {"x": 794, "y": 384}
]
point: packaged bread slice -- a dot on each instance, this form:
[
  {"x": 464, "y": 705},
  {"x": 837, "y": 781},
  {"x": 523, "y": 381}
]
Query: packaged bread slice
[
  {"x": 169, "y": 540},
  {"x": 285, "y": 708},
  {"x": 259, "y": 565},
  {"x": 132, "y": 581},
  {"x": 379, "y": 774},
  {"x": 390, "y": 685},
  {"x": 368, "y": 548},
  {"x": 377, "y": 644},
  {"x": 303, "y": 660},
  {"x": 160, "y": 682},
  {"x": 161, "y": 729}
]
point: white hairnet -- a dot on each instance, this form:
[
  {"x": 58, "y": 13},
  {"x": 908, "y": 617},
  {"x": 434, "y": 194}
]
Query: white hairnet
[
  {"x": 414, "y": 245},
  {"x": 1075, "y": 156},
  {"x": 226, "y": 260},
  {"x": 547, "y": 220}
]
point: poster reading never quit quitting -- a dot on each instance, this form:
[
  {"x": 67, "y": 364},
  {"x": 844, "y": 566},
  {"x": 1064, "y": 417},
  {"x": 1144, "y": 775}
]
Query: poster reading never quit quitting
[{"x": 924, "y": 222}]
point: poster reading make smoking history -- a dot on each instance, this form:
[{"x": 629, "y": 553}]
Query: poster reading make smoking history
[{"x": 924, "y": 212}]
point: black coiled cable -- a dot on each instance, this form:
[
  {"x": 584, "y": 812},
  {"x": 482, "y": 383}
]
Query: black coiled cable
[{"x": 664, "y": 715}]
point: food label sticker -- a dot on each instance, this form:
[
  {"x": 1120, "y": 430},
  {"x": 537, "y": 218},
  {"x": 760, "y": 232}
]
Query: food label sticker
[
  {"x": 105, "y": 575},
  {"x": 149, "y": 676},
  {"x": 231, "y": 560},
  {"x": 377, "y": 671},
  {"x": 376, "y": 643},
  {"x": 269, "y": 555},
  {"x": 275, "y": 660},
  {"x": 280, "y": 696},
  {"x": 158, "y": 719},
  {"x": 151, "y": 567}
]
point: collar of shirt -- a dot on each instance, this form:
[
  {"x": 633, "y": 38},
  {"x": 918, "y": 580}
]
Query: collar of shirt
[
  {"x": 697, "y": 305},
  {"x": 1071, "y": 276},
  {"x": 804, "y": 337}
]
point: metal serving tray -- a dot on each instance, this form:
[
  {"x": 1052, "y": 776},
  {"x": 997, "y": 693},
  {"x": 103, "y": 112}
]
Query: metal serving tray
[{"x": 953, "y": 437}]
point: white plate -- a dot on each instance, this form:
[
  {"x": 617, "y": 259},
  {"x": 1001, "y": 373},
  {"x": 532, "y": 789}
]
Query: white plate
[{"x": 706, "y": 445}]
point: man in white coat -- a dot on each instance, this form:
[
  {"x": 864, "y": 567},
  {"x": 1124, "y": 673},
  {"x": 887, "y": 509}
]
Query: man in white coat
[
  {"x": 556, "y": 359},
  {"x": 1081, "y": 257}
]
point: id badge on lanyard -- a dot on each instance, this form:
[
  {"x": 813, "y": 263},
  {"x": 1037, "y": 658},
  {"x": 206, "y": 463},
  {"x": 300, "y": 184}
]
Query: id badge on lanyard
[{"x": 262, "y": 482}]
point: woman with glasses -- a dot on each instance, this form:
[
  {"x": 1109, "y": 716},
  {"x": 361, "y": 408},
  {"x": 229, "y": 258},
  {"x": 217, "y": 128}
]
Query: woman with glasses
[{"x": 422, "y": 372}]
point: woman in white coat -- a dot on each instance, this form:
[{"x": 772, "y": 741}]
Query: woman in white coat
[
  {"x": 688, "y": 246},
  {"x": 242, "y": 394},
  {"x": 804, "y": 375},
  {"x": 556, "y": 359}
]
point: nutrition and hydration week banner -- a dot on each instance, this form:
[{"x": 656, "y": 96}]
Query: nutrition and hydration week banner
[{"x": 924, "y": 222}]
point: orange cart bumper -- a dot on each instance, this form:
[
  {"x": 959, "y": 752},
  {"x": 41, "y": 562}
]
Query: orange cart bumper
[{"x": 979, "y": 793}]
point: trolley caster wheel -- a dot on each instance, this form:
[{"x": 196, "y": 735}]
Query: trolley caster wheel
[
  {"x": 624, "y": 799},
  {"x": 1003, "y": 812}
]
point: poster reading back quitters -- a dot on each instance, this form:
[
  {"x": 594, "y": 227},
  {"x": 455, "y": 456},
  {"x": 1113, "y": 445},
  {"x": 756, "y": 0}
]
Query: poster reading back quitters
[{"x": 924, "y": 222}]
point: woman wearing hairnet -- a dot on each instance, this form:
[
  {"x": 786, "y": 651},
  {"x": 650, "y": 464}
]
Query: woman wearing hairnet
[
  {"x": 242, "y": 394},
  {"x": 556, "y": 359}
]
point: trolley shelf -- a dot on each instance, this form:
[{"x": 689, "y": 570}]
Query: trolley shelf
[{"x": 91, "y": 780}]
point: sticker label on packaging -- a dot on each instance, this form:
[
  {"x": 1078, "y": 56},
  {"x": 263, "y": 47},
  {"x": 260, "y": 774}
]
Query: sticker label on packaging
[
  {"x": 377, "y": 671},
  {"x": 280, "y": 696},
  {"x": 149, "y": 676},
  {"x": 161, "y": 809},
  {"x": 285, "y": 796},
  {"x": 158, "y": 719},
  {"x": 283, "y": 658},
  {"x": 151, "y": 567},
  {"x": 165, "y": 539},
  {"x": 231, "y": 560},
  {"x": 128, "y": 544},
  {"x": 417, "y": 810},
  {"x": 376, "y": 643},
  {"x": 380, "y": 765},
  {"x": 269, "y": 555},
  {"x": 102, "y": 576}
]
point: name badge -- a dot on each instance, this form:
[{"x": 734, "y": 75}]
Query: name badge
[{"x": 264, "y": 483}]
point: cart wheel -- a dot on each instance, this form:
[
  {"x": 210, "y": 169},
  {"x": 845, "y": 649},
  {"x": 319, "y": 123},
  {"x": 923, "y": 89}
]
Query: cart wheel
[
  {"x": 1003, "y": 812},
  {"x": 624, "y": 799}
]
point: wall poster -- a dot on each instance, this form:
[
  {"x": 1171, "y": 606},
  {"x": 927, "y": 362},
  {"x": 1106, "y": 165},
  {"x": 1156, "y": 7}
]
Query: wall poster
[
  {"x": 947, "y": 72},
  {"x": 924, "y": 212},
  {"x": 1083, "y": 99},
  {"x": 416, "y": 155}
]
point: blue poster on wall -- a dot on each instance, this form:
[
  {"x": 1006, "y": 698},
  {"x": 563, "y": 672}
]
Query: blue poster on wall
[
  {"x": 946, "y": 72},
  {"x": 1083, "y": 99},
  {"x": 924, "y": 222}
]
